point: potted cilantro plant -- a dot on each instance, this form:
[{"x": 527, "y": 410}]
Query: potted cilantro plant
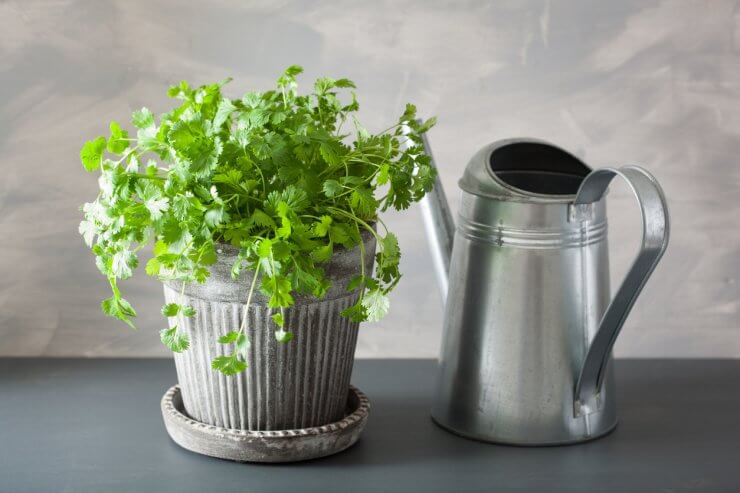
[{"x": 263, "y": 216}]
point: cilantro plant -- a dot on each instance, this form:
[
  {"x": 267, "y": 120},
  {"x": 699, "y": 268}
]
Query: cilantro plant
[{"x": 287, "y": 178}]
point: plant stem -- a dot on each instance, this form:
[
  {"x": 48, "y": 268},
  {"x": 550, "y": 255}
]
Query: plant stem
[
  {"x": 182, "y": 295},
  {"x": 357, "y": 219},
  {"x": 147, "y": 177},
  {"x": 249, "y": 298}
]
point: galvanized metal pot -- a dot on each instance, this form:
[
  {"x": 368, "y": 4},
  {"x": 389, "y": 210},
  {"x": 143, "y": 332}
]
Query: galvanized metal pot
[{"x": 299, "y": 384}]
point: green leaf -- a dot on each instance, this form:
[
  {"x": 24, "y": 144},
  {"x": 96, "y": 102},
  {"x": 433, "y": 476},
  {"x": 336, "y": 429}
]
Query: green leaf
[
  {"x": 331, "y": 188},
  {"x": 376, "y": 305},
  {"x": 142, "y": 118},
  {"x": 152, "y": 267},
  {"x": 344, "y": 83},
  {"x": 181, "y": 91},
  {"x": 229, "y": 365},
  {"x": 88, "y": 231},
  {"x": 239, "y": 339},
  {"x": 123, "y": 264},
  {"x": 259, "y": 218},
  {"x": 356, "y": 312},
  {"x": 427, "y": 125},
  {"x": 176, "y": 341},
  {"x": 388, "y": 258},
  {"x": 293, "y": 70},
  {"x": 322, "y": 254},
  {"x": 278, "y": 319},
  {"x": 330, "y": 151},
  {"x": 188, "y": 311},
  {"x": 229, "y": 338},
  {"x": 170, "y": 310},
  {"x": 117, "y": 142},
  {"x": 119, "y": 308},
  {"x": 294, "y": 198},
  {"x": 283, "y": 336},
  {"x": 157, "y": 207},
  {"x": 383, "y": 174},
  {"x": 224, "y": 111},
  {"x": 340, "y": 233},
  {"x": 363, "y": 202},
  {"x": 278, "y": 289},
  {"x": 92, "y": 153},
  {"x": 215, "y": 216},
  {"x": 321, "y": 228},
  {"x": 264, "y": 248},
  {"x": 355, "y": 282},
  {"x": 160, "y": 248}
]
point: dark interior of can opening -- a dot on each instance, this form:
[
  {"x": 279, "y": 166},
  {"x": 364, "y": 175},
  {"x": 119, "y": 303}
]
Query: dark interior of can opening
[{"x": 538, "y": 168}]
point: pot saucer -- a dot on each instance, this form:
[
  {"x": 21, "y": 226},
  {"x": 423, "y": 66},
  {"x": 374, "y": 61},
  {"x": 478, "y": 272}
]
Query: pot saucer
[{"x": 265, "y": 446}]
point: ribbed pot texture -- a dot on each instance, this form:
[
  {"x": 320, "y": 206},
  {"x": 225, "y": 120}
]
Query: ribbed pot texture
[{"x": 298, "y": 384}]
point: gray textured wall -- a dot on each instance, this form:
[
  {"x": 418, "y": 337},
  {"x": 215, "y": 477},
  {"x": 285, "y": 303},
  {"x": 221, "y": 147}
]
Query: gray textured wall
[{"x": 649, "y": 82}]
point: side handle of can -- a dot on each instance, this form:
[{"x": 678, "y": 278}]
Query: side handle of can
[{"x": 655, "y": 234}]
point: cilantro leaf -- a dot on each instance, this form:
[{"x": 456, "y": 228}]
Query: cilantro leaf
[
  {"x": 229, "y": 364},
  {"x": 322, "y": 227},
  {"x": 331, "y": 188},
  {"x": 118, "y": 139},
  {"x": 175, "y": 340},
  {"x": 92, "y": 153},
  {"x": 283, "y": 336},
  {"x": 142, "y": 118},
  {"x": 88, "y": 231},
  {"x": 117, "y": 307},
  {"x": 225, "y": 108},
  {"x": 170, "y": 310},
  {"x": 376, "y": 305}
]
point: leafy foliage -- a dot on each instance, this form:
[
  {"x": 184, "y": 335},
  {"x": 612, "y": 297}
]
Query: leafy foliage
[{"x": 273, "y": 173}]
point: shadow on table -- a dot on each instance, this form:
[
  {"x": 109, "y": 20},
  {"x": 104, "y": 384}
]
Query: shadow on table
[{"x": 401, "y": 431}]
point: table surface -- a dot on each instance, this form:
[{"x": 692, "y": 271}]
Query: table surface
[{"x": 82, "y": 425}]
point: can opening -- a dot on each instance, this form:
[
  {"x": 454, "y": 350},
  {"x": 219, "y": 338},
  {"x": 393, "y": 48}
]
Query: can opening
[{"x": 538, "y": 168}]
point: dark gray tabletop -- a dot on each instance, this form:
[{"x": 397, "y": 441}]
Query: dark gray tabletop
[{"x": 72, "y": 425}]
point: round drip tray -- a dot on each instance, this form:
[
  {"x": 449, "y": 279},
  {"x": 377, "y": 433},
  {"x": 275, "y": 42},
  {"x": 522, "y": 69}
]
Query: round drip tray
[{"x": 265, "y": 446}]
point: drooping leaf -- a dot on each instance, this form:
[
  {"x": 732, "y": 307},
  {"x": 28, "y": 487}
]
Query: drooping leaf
[
  {"x": 376, "y": 305},
  {"x": 175, "y": 340},
  {"x": 229, "y": 364}
]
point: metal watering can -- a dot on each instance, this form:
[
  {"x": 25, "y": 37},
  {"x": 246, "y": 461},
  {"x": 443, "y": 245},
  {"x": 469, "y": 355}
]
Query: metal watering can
[{"x": 529, "y": 325}]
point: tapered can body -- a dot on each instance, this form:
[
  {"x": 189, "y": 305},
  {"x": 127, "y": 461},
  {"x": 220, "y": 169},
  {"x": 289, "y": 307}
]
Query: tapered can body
[
  {"x": 298, "y": 384},
  {"x": 528, "y": 286}
]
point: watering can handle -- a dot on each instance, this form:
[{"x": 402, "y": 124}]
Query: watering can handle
[{"x": 655, "y": 232}]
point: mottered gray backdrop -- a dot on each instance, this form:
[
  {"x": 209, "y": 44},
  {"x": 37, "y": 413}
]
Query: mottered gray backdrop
[{"x": 655, "y": 83}]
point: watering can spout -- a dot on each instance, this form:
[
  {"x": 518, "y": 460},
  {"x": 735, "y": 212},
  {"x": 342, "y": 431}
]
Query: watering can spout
[{"x": 439, "y": 226}]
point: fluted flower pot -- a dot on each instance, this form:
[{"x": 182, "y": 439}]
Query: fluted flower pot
[{"x": 298, "y": 384}]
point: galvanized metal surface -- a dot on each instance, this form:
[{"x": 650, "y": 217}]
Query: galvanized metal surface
[
  {"x": 529, "y": 284},
  {"x": 265, "y": 446},
  {"x": 299, "y": 384},
  {"x": 435, "y": 212}
]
